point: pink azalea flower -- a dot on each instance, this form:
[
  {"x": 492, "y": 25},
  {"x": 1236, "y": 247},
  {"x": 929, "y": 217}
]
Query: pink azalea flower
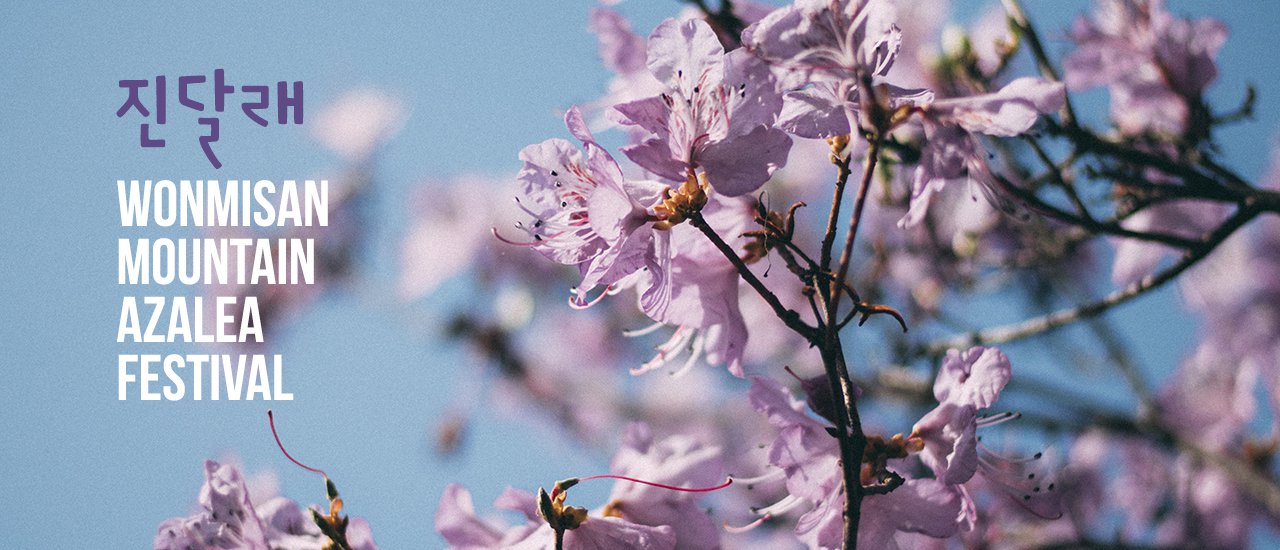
[
  {"x": 701, "y": 296},
  {"x": 676, "y": 461},
  {"x": 808, "y": 457},
  {"x": 921, "y": 24},
  {"x": 1189, "y": 504},
  {"x": 716, "y": 112},
  {"x": 448, "y": 233},
  {"x": 457, "y": 522},
  {"x": 828, "y": 45},
  {"x": 623, "y": 52},
  {"x": 602, "y": 534},
  {"x": 1210, "y": 399},
  {"x": 637, "y": 515},
  {"x": 923, "y": 506},
  {"x": 585, "y": 214},
  {"x": 227, "y": 518},
  {"x": 970, "y": 381},
  {"x": 1153, "y": 63},
  {"x": 952, "y": 150},
  {"x": 1135, "y": 259},
  {"x": 838, "y": 38},
  {"x": 359, "y": 122},
  {"x": 1237, "y": 289},
  {"x": 824, "y": 108},
  {"x": 966, "y": 383}
]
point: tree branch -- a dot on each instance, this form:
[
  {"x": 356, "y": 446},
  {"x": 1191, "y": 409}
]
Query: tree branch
[
  {"x": 829, "y": 237},
  {"x": 789, "y": 317},
  {"x": 873, "y": 153},
  {"x": 1060, "y": 318}
]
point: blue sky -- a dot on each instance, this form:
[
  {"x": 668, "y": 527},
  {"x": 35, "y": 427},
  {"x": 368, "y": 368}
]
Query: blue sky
[{"x": 80, "y": 469}]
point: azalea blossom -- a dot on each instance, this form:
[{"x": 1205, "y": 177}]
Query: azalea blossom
[
  {"x": 1156, "y": 66},
  {"x": 1191, "y": 219},
  {"x": 837, "y": 38},
  {"x": 829, "y": 50},
  {"x": 1174, "y": 501},
  {"x": 968, "y": 382},
  {"x": 825, "y": 109},
  {"x": 585, "y": 214},
  {"x": 715, "y": 114},
  {"x": 449, "y": 234},
  {"x": 457, "y": 522},
  {"x": 952, "y": 150},
  {"x": 638, "y": 515},
  {"x": 807, "y": 457},
  {"x": 677, "y": 461},
  {"x": 228, "y": 518},
  {"x": 704, "y": 292},
  {"x": 623, "y": 52},
  {"x": 358, "y": 123}
]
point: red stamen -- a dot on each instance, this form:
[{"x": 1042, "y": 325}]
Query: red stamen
[
  {"x": 578, "y": 303},
  {"x": 743, "y": 529},
  {"x": 727, "y": 482},
  {"x": 499, "y": 236},
  {"x": 272, "y": 420}
]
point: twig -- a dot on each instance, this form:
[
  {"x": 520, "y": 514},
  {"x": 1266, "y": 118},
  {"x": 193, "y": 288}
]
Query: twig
[
  {"x": 1086, "y": 141},
  {"x": 829, "y": 237},
  {"x": 1056, "y": 175},
  {"x": 789, "y": 317},
  {"x": 1115, "y": 349},
  {"x": 1231, "y": 178},
  {"x": 873, "y": 153},
  {"x": 1108, "y": 227},
  {"x": 848, "y": 429},
  {"x": 1060, "y": 318},
  {"x": 1019, "y": 18}
]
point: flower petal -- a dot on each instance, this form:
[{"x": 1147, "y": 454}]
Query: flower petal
[
  {"x": 741, "y": 165},
  {"x": 685, "y": 55}
]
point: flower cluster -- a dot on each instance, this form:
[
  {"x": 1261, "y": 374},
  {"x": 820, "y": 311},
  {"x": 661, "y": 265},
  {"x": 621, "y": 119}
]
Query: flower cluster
[
  {"x": 228, "y": 518},
  {"x": 944, "y": 441},
  {"x": 865, "y": 403}
]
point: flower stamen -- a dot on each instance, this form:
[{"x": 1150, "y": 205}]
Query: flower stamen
[{"x": 271, "y": 419}]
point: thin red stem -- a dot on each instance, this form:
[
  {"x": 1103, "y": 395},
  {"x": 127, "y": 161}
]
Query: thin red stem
[
  {"x": 727, "y": 482},
  {"x": 272, "y": 420}
]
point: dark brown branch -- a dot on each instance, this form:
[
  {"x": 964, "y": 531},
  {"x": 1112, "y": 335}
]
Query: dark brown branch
[
  {"x": 848, "y": 429},
  {"x": 789, "y": 317},
  {"x": 1060, "y": 318},
  {"x": 726, "y": 24},
  {"x": 873, "y": 154},
  {"x": 1105, "y": 227},
  {"x": 829, "y": 237},
  {"x": 1055, "y": 175},
  {"x": 1088, "y": 142}
]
